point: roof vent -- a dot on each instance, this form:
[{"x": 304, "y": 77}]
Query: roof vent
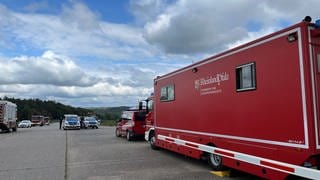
[{"x": 307, "y": 19}]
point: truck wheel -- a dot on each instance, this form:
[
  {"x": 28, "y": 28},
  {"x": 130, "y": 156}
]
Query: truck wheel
[
  {"x": 153, "y": 142},
  {"x": 215, "y": 161},
  {"x": 118, "y": 133},
  {"x": 14, "y": 129},
  {"x": 129, "y": 135}
]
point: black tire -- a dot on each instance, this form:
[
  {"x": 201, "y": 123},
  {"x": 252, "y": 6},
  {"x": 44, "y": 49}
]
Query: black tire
[
  {"x": 129, "y": 135},
  {"x": 14, "y": 129},
  {"x": 215, "y": 161},
  {"x": 152, "y": 141}
]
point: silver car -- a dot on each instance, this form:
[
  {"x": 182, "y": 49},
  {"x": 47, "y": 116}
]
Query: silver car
[
  {"x": 25, "y": 124},
  {"x": 91, "y": 122}
]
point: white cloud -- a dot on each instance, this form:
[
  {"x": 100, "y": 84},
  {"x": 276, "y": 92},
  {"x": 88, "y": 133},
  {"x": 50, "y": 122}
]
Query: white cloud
[
  {"x": 87, "y": 61},
  {"x": 189, "y": 27},
  {"x": 36, "y": 6},
  {"x": 145, "y": 10},
  {"x": 52, "y": 76},
  {"x": 76, "y": 31},
  {"x": 50, "y": 68}
]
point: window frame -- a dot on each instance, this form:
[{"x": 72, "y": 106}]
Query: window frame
[
  {"x": 239, "y": 78},
  {"x": 167, "y": 87}
]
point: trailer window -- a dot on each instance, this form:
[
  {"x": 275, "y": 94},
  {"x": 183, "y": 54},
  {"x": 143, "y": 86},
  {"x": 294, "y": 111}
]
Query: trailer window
[
  {"x": 167, "y": 93},
  {"x": 246, "y": 77}
]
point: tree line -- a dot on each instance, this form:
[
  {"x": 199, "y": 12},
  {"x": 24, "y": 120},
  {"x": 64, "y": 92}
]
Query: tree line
[
  {"x": 109, "y": 113},
  {"x": 55, "y": 110}
]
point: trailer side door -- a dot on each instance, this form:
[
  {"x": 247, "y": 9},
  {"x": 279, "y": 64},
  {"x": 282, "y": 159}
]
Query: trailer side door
[{"x": 314, "y": 44}]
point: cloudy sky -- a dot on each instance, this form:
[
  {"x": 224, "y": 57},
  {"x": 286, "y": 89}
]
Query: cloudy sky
[{"x": 106, "y": 53}]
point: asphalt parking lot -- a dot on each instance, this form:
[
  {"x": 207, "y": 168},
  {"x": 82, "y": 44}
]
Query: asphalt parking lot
[{"x": 39, "y": 153}]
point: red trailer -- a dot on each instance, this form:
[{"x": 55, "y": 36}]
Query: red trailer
[{"x": 254, "y": 108}]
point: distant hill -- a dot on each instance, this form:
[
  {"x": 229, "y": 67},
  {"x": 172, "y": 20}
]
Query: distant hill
[
  {"x": 55, "y": 110},
  {"x": 109, "y": 113}
]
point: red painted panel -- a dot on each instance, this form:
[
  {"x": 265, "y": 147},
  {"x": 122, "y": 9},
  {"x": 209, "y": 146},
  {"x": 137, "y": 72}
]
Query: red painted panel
[
  {"x": 207, "y": 108},
  {"x": 265, "y": 113}
]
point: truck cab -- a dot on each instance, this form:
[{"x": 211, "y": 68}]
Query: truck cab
[
  {"x": 37, "y": 120},
  {"x": 149, "y": 132},
  {"x": 131, "y": 124}
]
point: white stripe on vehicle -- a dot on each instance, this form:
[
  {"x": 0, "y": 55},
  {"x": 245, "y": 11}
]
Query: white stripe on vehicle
[{"x": 263, "y": 162}]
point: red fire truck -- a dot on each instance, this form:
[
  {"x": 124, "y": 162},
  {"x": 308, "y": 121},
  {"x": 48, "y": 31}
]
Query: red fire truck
[
  {"x": 131, "y": 124},
  {"x": 8, "y": 116},
  {"x": 255, "y": 108},
  {"x": 37, "y": 120}
]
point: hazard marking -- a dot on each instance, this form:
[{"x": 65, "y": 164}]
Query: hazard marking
[
  {"x": 192, "y": 145},
  {"x": 169, "y": 139},
  {"x": 221, "y": 173},
  {"x": 259, "y": 161},
  {"x": 223, "y": 153},
  {"x": 277, "y": 166}
]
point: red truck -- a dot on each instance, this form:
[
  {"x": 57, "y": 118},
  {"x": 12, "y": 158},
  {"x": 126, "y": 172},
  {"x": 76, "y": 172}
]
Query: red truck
[
  {"x": 131, "y": 124},
  {"x": 255, "y": 108},
  {"x": 47, "y": 120},
  {"x": 8, "y": 116},
  {"x": 37, "y": 120}
]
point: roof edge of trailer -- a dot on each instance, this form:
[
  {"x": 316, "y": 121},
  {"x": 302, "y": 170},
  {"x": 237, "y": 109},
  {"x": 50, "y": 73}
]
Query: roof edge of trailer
[{"x": 203, "y": 61}]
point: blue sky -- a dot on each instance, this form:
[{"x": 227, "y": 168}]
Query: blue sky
[{"x": 106, "y": 53}]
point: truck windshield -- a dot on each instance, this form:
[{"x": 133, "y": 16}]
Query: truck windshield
[
  {"x": 36, "y": 117},
  {"x": 72, "y": 119},
  {"x": 150, "y": 105},
  {"x": 127, "y": 115}
]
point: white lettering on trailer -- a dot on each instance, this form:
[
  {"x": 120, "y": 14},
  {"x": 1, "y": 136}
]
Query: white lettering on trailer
[
  {"x": 259, "y": 161},
  {"x": 203, "y": 83},
  {"x": 214, "y": 79}
]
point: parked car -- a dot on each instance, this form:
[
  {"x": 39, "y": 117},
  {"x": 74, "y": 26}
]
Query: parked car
[
  {"x": 71, "y": 121},
  {"x": 25, "y": 124},
  {"x": 131, "y": 124},
  {"x": 91, "y": 122}
]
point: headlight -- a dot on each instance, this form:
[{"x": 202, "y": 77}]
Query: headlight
[
  {"x": 78, "y": 123},
  {"x": 66, "y": 123}
]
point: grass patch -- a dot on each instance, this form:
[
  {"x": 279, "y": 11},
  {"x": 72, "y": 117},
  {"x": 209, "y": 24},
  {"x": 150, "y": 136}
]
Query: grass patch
[{"x": 108, "y": 123}]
